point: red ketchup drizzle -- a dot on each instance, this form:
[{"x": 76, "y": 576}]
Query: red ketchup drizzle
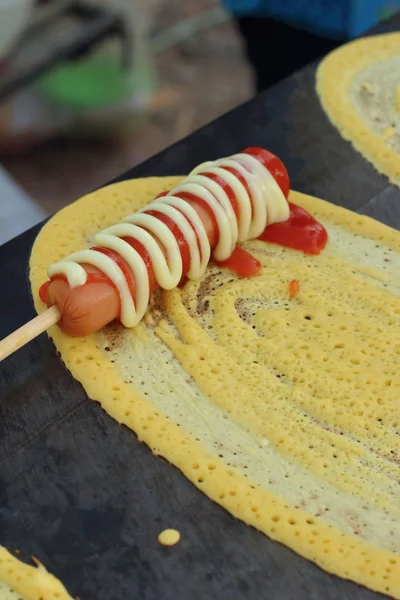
[
  {"x": 274, "y": 165},
  {"x": 227, "y": 189},
  {"x": 206, "y": 207},
  {"x": 183, "y": 245},
  {"x": 122, "y": 265},
  {"x": 141, "y": 250},
  {"x": 178, "y": 235},
  {"x": 300, "y": 232},
  {"x": 180, "y": 238},
  {"x": 43, "y": 290},
  {"x": 241, "y": 262},
  {"x": 242, "y": 180},
  {"x": 294, "y": 288}
]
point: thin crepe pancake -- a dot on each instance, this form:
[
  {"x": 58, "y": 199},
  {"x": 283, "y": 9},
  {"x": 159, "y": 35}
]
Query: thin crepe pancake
[
  {"x": 282, "y": 410},
  {"x": 19, "y": 581},
  {"x": 359, "y": 88}
]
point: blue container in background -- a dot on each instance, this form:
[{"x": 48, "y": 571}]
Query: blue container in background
[{"x": 341, "y": 19}]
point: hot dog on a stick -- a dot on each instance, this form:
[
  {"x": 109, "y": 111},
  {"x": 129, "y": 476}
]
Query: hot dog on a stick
[{"x": 219, "y": 204}]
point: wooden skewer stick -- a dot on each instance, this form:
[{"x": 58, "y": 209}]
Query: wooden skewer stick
[{"x": 27, "y": 332}]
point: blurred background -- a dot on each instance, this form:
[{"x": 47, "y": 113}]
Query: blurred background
[{"x": 89, "y": 88}]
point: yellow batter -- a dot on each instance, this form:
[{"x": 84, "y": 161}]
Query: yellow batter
[
  {"x": 169, "y": 537},
  {"x": 359, "y": 87},
  {"x": 283, "y": 410},
  {"x": 19, "y": 581}
]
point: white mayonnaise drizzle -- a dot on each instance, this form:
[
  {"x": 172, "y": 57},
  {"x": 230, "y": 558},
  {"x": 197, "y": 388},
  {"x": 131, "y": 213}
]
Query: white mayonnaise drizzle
[{"x": 266, "y": 205}]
